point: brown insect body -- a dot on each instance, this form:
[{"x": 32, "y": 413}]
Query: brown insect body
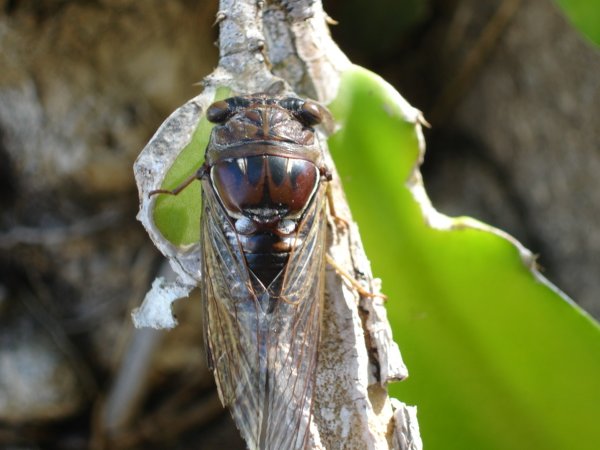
[{"x": 263, "y": 257}]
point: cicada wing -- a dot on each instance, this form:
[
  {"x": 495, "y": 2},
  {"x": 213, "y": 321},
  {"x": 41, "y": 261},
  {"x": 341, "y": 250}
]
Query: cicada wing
[
  {"x": 263, "y": 347},
  {"x": 294, "y": 333},
  {"x": 233, "y": 322}
]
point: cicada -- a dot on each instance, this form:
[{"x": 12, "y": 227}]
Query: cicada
[{"x": 263, "y": 233}]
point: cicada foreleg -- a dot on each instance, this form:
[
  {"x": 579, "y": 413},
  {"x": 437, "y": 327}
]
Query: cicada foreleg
[{"x": 198, "y": 175}]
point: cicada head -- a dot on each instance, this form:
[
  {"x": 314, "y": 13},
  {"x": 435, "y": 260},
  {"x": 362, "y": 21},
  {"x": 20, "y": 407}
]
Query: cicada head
[{"x": 270, "y": 125}]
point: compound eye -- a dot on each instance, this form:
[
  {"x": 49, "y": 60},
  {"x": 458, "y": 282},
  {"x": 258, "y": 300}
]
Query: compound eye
[
  {"x": 219, "y": 112},
  {"x": 292, "y": 104},
  {"x": 310, "y": 113}
]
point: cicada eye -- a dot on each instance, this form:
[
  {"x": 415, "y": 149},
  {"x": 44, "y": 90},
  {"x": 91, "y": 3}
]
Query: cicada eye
[
  {"x": 307, "y": 111},
  {"x": 310, "y": 113},
  {"x": 292, "y": 104},
  {"x": 219, "y": 112}
]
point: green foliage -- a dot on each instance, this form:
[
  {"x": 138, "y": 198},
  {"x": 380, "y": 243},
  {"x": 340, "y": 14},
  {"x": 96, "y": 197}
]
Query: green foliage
[
  {"x": 498, "y": 359},
  {"x": 585, "y": 16},
  {"x": 178, "y": 217}
]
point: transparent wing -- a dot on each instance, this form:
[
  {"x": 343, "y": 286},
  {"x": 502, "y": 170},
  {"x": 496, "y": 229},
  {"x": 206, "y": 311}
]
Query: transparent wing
[
  {"x": 231, "y": 314},
  {"x": 262, "y": 347}
]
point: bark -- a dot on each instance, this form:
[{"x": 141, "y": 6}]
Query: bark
[{"x": 286, "y": 46}]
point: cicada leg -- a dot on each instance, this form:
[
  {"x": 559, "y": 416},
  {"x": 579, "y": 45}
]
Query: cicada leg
[
  {"x": 340, "y": 221},
  {"x": 198, "y": 175},
  {"x": 343, "y": 223},
  {"x": 355, "y": 284}
]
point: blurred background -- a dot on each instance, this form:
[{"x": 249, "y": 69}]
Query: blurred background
[{"x": 510, "y": 87}]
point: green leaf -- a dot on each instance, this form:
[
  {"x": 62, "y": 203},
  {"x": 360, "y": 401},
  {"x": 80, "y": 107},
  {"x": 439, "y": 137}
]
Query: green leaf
[
  {"x": 497, "y": 358},
  {"x": 178, "y": 217},
  {"x": 585, "y": 16}
]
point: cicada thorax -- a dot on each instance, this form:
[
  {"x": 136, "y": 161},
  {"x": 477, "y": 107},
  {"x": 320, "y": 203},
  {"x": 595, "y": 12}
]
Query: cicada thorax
[{"x": 264, "y": 165}]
